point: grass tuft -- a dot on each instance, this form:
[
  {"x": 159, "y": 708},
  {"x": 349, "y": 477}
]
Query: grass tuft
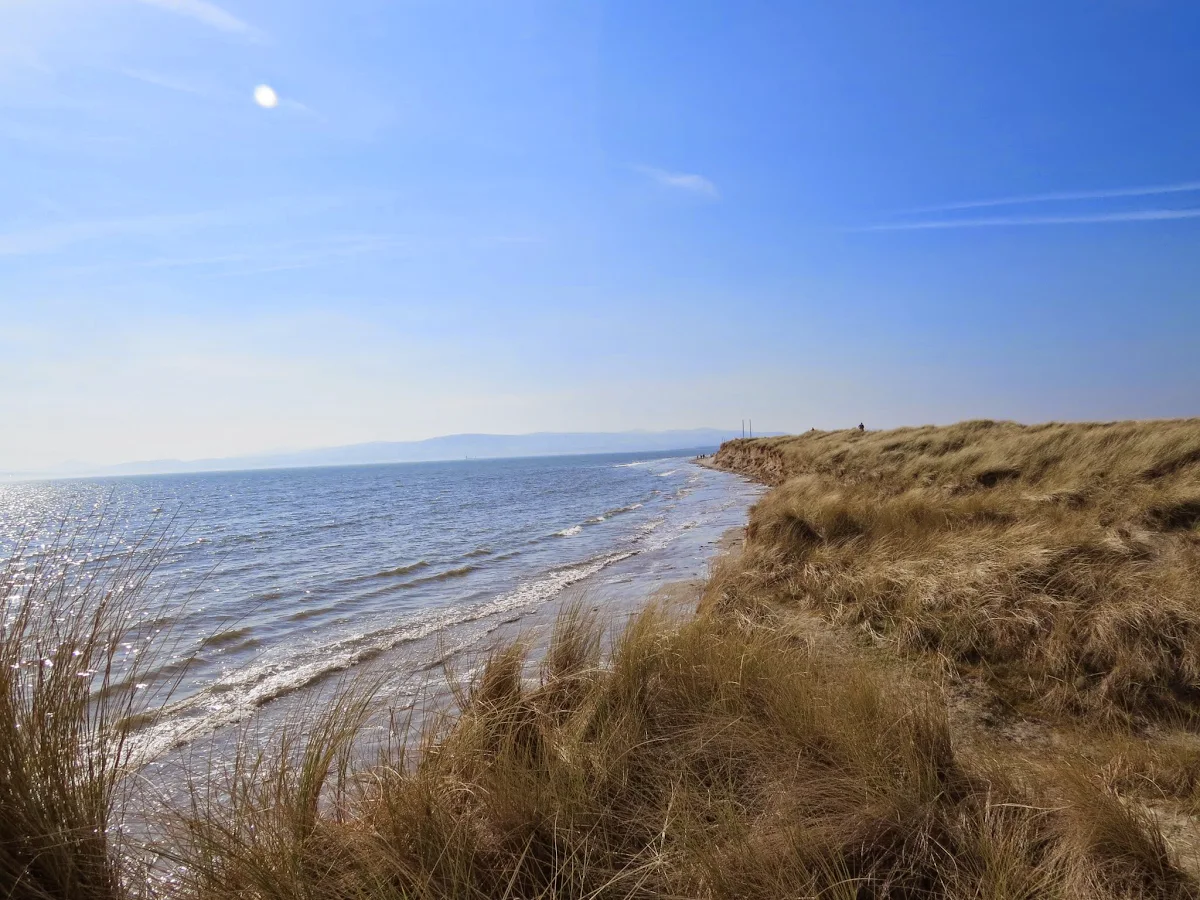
[
  {"x": 699, "y": 759},
  {"x": 72, "y": 652}
]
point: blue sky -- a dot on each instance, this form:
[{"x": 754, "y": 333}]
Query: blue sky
[{"x": 525, "y": 215}]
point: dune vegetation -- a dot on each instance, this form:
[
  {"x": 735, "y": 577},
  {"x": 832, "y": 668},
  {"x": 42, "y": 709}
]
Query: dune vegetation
[
  {"x": 1047, "y": 576},
  {"x": 949, "y": 662},
  {"x": 1058, "y": 563}
]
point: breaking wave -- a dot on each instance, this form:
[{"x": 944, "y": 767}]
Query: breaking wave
[
  {"x": 237, "y": 695},
  {"x": 401, "y": 570},
  {"x": 442, "y": 576},
  {"x": 623, "y": 509},
  {"x": 310, "y": 613},
  {"x": 232, "y": 636}
]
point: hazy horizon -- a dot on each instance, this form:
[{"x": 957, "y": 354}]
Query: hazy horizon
[
  {"x": 439, "y": 448},
  {"x": 234, "y": 226}
]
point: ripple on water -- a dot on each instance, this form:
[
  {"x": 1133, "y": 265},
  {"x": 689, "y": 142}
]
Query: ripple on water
[
  {"x": 401, "y": 570},
  {"x": 274, "y": 539}
]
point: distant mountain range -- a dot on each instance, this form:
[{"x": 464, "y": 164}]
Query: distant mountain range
[{"x": 449, "y": 447}]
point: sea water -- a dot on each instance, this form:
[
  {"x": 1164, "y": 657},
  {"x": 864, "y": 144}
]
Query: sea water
[{"x": 274, "y": 580}]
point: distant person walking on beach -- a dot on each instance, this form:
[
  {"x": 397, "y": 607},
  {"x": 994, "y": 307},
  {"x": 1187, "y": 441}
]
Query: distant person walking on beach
[{"x": 860, "y": 427}]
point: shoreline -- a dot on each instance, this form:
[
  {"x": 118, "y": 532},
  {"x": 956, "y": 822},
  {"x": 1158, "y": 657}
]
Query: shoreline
[
  {"x": 680, "y": 596},
  {"x": 672, "y": 593},
  {"x": 413, "y": 673},
  {"x": 616, "y": 601}
]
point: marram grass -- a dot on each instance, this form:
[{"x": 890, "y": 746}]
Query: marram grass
[{"x": 718, "y": 756}]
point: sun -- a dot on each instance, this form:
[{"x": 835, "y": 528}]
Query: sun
[{"x": 265, "y": 96}]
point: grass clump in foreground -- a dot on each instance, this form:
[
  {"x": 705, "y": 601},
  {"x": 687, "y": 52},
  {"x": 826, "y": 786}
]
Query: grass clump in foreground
[
  {"x": 702, "y": 760},
  {"x": 70, "y": 664}
]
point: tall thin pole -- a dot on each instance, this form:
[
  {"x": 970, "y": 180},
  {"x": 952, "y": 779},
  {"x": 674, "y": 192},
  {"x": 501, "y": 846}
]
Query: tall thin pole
[
  {"x": 743, "y": 428},
  {"x": 751, "y": 428}
]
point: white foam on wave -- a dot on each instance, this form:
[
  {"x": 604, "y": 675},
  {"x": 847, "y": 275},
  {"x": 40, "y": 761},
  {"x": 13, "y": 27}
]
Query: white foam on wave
[
  {"x": 238, "y": 695},
  {"x": 652, "y": 538},
  {"x": 596, "y": 520},
  {"x": 624, "y": 509}
]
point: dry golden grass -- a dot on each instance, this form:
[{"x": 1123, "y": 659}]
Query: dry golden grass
[
  {"x": 1059, "y": 562},
  {"x": 731, "y": 754},
  {"x": 68, "y": 698},
  {"x": 702, "y": 759}
]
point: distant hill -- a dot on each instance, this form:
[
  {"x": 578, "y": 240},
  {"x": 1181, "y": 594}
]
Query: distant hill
[{"x": 448, "y": 447}]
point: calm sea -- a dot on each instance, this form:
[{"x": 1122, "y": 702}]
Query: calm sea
[{"x": 278, "y": 578}]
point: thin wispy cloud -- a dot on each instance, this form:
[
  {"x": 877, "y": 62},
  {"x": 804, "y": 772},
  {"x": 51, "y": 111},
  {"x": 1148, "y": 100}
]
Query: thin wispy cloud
[
  {"x": 295, "y": 106},
  {"x": 1182, "y": 187},
  {"x": 207, "y": 14},
  {"x": 683, "y": 181},
  {"x": 54, "y": 138},
  {"x": 52, "y": 238},
  {"x": 20, "y": 55},
  {"x": 298, "y": 254},
  {"x": 1138, "y": 215},
  {"x": 163, "y": 81}
]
